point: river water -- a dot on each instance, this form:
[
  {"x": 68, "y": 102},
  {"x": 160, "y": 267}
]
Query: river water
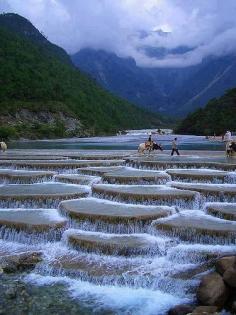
[{"x": 122, "y": 142}]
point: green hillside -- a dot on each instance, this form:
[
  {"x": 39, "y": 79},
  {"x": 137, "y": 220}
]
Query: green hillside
[
  {"x": 218, "y": 116},
  {"x": 36, "y": 76}
]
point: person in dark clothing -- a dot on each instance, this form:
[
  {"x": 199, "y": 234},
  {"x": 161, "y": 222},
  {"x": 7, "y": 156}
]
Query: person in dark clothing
[
  {"x": 149, "y": 143},
  {"x": 175, "y": 147}
]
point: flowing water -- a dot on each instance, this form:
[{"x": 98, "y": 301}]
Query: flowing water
[{"x": 136, "y": 248}]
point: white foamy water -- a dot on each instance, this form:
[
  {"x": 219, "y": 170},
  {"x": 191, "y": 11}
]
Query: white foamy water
[
  {"x": 148, "y": 282},
  {"x": 121, "y": 300}
]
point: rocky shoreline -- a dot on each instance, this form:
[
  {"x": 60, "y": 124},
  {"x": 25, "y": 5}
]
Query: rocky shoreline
[
  {"x": 18, "y": 297},
  {"x": 216, "y": 292}
]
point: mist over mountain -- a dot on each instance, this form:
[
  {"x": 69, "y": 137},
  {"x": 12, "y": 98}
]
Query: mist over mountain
[
  {"x": 173, "y": 91},
  {"x": 170, "y": 56}
]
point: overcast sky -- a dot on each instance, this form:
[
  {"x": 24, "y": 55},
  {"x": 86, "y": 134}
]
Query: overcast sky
[{"x": 206, "y": 26}]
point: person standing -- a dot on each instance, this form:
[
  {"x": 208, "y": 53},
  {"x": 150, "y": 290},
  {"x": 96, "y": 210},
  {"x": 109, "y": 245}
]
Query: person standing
[
  {"x": 175, "y": 147},
  {"x": 227, "y": 140},
  {"x": 3, "y": 146},
  {"x": 149, "y": 142}
]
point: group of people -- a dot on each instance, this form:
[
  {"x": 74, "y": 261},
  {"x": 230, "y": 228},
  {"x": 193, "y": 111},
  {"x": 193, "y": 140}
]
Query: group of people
[
  {"x": 174, "y": 145},
  {"x": 230, "y": 144}
]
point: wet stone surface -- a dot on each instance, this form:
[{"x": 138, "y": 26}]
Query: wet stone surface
[
  {"x": 182, "y": 163},
  {"x": 107, "y": 232},
  {"x": 201, "y": 175},
  {"x": 57, "y": 164},
  {"x": 95, "y": 209},
  {"x": 189, "y": 224},
  {"x": 124, "y": 245},
  {"x": 132, "y": 176},
  {"x": 44, "y": 190},
  {"x": 22, "y": 177},
  {"x": 210, "y": 189},
  {"x": 99, "y": 171},
  {"x": 77, "y": 179},
  {"x": 34, "y": 220},
  {"x": 145, "y": 194},
  {"x": 223, "y": 210}
]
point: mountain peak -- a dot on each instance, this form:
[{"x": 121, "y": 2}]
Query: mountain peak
[{"x": 20, "y": 25}]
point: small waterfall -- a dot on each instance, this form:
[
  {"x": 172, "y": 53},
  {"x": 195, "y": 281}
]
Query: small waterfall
[
  {"x": 28, "y": 203},
  {"x": 194, "y": 236},
  {"x": 26, "y": 180},
  {"x": 162, "y": 267},
  {"x": 162, "y": 166},
  {"x": 184, "y": 203},
  {"x": 178, "y": 287},
  {"x": 118, "y": 228},
  {"x": 12, "y": 235},
  {"x": 215, "y": 180}
]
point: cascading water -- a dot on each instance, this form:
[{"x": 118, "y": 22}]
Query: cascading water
[{"x": 130, "y": 264}]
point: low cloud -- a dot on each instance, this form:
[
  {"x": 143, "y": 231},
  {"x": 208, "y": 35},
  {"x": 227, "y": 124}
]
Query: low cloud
[{"x": 207, "y": 27}]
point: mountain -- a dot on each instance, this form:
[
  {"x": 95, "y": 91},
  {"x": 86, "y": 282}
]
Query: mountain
[
  {"x": 172, "y": 91},
  {"x": 24, "y": 28},
  {"x": 42, "y": 94},
  {"x": 216, "y": 118},
  {"x": 120, "y": 76}
]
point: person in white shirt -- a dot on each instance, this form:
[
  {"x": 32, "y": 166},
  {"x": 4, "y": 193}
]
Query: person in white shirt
[
  {"x": 227, "y": 136},
  {"x": 175, "y": 147},
  {"x": 3, "y": 146},
  {"x": 227, "y": 140}
]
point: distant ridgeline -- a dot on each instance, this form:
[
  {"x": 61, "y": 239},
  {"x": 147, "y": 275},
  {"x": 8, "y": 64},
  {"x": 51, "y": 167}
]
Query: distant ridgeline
[
  {"x": 218, "y": 116},
  {"x": 42, "y": 94},
  {"x": 171, "y": 91}
]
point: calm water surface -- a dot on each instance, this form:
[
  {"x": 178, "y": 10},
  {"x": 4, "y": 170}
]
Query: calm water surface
[{"x": 123, "y": 142}]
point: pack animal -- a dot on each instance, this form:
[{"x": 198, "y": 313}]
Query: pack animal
[{"x": 142, "y": 148}]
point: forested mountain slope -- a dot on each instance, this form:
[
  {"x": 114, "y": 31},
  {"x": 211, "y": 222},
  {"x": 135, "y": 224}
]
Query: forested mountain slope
[
  {"x": 172, "y": 91},
  {"x": 43, "y": 95},
  {"x": 218, "y": 116}
]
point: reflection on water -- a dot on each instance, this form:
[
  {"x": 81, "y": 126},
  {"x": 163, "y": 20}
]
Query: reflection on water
[{"x": 122, "y": 142}]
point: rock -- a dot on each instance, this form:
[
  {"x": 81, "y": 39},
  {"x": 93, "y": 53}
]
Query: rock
[
  {"x": 11, "y": 293},
  {"x": 114, "y": 244},
  {"x": 181, "y": 309},
  {"x": 212, "y": 290},
  {"x": 145, "y": 194},
  {"x": 230, "y": 277},
  {"x": 225, "y": 263},
  {"x": 194, "y": 225},
  {"x": 98, "y": 171},
  {"x": 60, "y": 164},
  {"x": 198, "y": 175},
  {"x": 135, "y": 176},
  {"x": 42, "y": 191},
  {"x": 92, "y": 209},
  {"x": 20, "y": 262},
  {"x": 32, "y": 220},
  {"x": 204, "y": 310},
  {"x": 216, "y": 190},
  {"x": 223, "y": 210}
]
